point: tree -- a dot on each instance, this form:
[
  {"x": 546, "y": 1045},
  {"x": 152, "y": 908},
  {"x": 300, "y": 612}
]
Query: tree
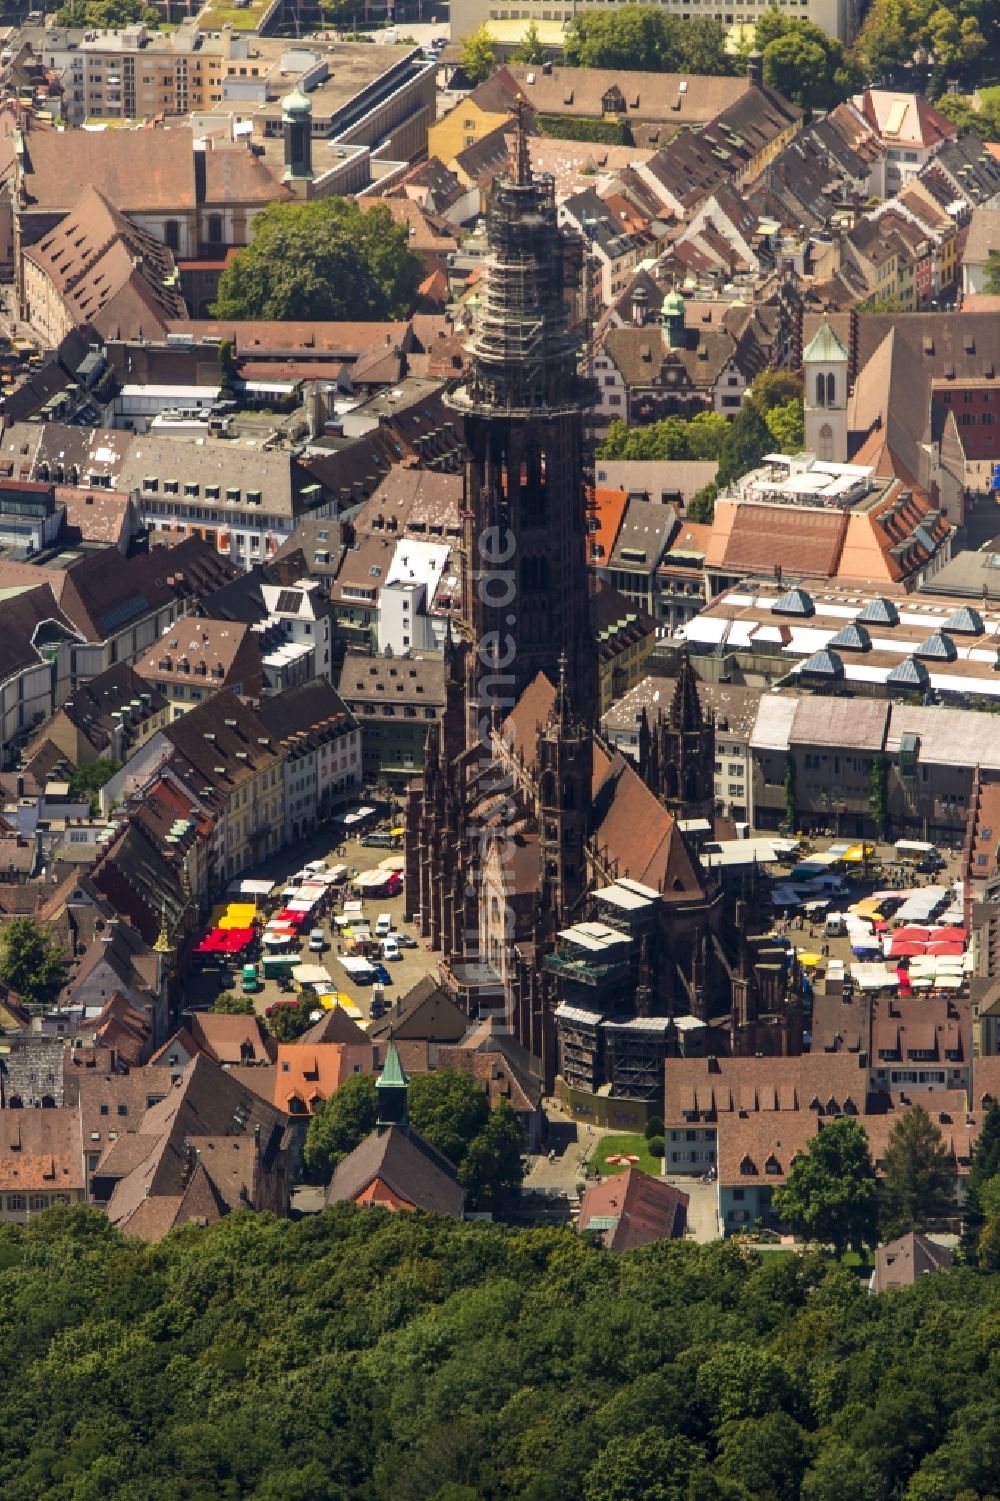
[
  {"x": 478, "y": 55},
  {"x": 830, "y": 1194},
  {"x": 988, "y": 1247},
  {"x": 745, "y": 444},
  {"x": 32, "y": 963},
  {"x": 917, "y": 1176},
  {"x": 791, "y": 802},
  {"x": 786, "y": 424},
  {"x": 642, "y": 37},
  {"x": 107, "y": 15},
  {"x": 228, "y": 1003},
  {"x": 287, "y": 1022},
  {"x": 644, "y": 1466},
  {"x": 879, "y": 800},
  {"x": 701, "y": 506},
  {"x": 985, "y": 1165},
  {"x": 884, "y": 47},
  {"x": 701, "y": 437},
  {"x": 530, "y": 49},
  {"x": 802, "y": 62},
  {"x": 992, "y": 283},
  {"x": 773, "y": 388},
  {"x": 86, "y": 781},
  {"x": 322, "y": 260},
  {"x": 983, "y": 122},
  {"x": 339, "y": 1124},
  {"x": 449, "y": 1108},
  {"x": 706, "y": 432},
  {"x": 492, "y": 1167}
]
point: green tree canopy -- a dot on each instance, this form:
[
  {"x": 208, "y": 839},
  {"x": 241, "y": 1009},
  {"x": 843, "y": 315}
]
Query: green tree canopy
[
  {"x": 449, "y": 1108},
  {"x": 86, "y": 781},
  {"x": 983, "y": 122},
  {"x": 917, "y": 1176},
  {"x": 492, "y": 1167},
  {"x": 530, "y": 49},
  {"x": 992, "y": 282},
  {"x": 107, "y": 15},
  {"x": 747, "y": 441},
  {"x": 701, "y": 506},
  {"x": 323, "y": 260},
  {"x": 802, "y": 62},
  {"x": 830, "y": 1194},
  {"x": 478, "y": 55},
  {"x": 988, "y": 1245},
  {"x": 700, "y": 437},
  {"x": 957, "y": 34},
  {"x": 287, "y": 1023},
  {"x": 339, "y": 1124},
  {"x": 408, "y": 1357},
  {"x": 31, "y": 962},
  {"x": 644, "y": 38},
  {"x": 774, "y": 388},
  {"x": 786, "y": 424},
  {"x": 984, "y": 1166},
  {"x": 228, "y": 1003}
]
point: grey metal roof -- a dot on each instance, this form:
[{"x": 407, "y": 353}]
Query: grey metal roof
[
  {"x": 794, "y": 602},
  {"x": 909, "y": 674},
  {"x": 880, "y": 611},
  {"x": 937, "y": 648},
  {"x": 965, "y": 621},
  {"x": 824, "y": 663},
  {"x": 853, "y": 637}
]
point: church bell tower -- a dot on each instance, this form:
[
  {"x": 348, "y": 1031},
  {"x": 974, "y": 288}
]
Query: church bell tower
[{"x": 525, "y": 583}]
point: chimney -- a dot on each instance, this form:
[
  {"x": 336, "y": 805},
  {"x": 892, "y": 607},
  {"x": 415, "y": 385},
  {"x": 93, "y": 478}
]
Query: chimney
[{"x": 755, "y": 69}]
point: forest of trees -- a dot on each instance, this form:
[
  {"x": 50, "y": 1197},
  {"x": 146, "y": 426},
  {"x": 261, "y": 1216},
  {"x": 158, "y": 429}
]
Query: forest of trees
[{"x": 358, "y": 1354}]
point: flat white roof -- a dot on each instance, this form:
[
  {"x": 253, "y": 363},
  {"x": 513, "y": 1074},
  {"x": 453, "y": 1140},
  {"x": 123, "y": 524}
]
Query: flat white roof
[{"x": 593, "y": 936}]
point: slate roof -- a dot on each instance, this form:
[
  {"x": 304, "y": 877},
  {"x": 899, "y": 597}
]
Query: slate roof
[
  {"x": 40, "y": 1151},
  {"x": 408, "y": 1165},
  {"x": 140, "y": 172},
  {"x": 426, "y": 1012},
  {"x": 109, "y": 273},
  {"x": 902, "y": 1262},
  {"x": 633, "y": 1209}
]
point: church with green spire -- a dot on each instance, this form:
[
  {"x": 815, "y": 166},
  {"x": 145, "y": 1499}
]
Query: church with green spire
[{"x": 394, "y": 1168}]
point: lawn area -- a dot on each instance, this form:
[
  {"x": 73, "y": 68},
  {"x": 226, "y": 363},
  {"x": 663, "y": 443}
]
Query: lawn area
[
  {"x": 625, "y": 1146},
  {"x": 241, "y": 19},
  {"x": 990, "y": 95}
]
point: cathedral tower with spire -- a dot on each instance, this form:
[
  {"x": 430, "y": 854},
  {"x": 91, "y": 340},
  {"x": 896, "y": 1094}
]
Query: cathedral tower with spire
[
  {"x": 525, "y": 583},
  {"x": 677, "y": 751}
]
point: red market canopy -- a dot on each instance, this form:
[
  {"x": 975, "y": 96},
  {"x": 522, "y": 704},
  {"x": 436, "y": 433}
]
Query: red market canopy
[
  {"x": 906, "y": 950},
  {"x": 913, "y": 934},
  {"x": 286, "y": 915},
  {"x": 946, "y": 950}
]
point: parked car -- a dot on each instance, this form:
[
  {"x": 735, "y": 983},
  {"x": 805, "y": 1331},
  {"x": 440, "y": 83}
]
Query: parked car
[
  {"x": 317, "y": 943},
  {"x": 379, "y": 839},
  {"x": 390, "y": 948},
  {"x": 406, "y": 941},
  {"x": 382, "y": 975},
  {"x": 383, "y": 925}
]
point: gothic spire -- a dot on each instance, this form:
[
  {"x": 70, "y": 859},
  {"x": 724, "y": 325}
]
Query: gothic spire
[
  {"x": 685, "y": 706},
  {"x": 520, "y": 163}
]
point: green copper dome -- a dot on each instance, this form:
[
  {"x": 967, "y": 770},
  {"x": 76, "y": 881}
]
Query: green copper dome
[{"x": 296, "y": 103}]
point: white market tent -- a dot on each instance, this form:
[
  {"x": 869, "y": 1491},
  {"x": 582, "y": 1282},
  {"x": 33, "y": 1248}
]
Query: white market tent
[
  {"x": 313, "y": 974},
  {"x": 874, "y": 977},
  {"x": 922, "y": 904},
  {"x": 371, "y": 879},
  {"x": 251, "y": 887}
]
